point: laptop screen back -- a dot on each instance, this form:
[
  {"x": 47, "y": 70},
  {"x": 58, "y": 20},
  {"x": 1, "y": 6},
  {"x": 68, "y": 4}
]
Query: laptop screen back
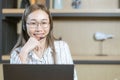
[{"x": 37, "y": 72}]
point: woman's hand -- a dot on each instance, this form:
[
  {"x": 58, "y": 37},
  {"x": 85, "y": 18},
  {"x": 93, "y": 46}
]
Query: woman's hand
[{"x": 31, "y": 44}]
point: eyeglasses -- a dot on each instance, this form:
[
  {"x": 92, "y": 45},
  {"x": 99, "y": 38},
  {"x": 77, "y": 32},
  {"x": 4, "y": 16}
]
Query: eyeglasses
[{"x": 35, "y": 24}]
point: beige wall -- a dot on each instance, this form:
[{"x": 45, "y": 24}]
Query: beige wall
[{"x": 78, "y": 32}]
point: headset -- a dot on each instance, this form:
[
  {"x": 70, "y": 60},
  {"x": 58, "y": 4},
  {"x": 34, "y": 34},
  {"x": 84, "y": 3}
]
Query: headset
[{"x": 24, "y": 28}]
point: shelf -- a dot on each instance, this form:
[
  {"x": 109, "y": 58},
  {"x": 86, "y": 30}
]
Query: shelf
[
  {"x": 12, "y": 12},
  {"x": 86, "y": 59},
  {"x": 6, "y": 57},
  {"x": 102, "y": 58},
  {"x": 96, "y": 59},
  {"x": 69, "y": 13},
  {"x": 87, "y": 13}
]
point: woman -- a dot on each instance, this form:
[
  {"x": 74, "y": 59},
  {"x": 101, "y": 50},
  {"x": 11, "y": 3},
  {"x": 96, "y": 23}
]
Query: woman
[{"x": 36, "y": 44}]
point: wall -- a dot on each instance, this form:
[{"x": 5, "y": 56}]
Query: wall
[{"x": 78, "y": 32}]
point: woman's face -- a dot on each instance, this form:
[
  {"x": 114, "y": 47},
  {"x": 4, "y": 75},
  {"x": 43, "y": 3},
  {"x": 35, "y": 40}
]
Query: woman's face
[{"x": 38, "y": 25}]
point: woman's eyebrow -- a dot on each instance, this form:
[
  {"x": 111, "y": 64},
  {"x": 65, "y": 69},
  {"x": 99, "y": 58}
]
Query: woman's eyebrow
[
  {"x": 44, "y": 19},
  {"x": 33, "y": 20}
]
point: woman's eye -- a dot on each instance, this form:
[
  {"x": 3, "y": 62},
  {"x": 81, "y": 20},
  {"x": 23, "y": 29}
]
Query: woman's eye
[
  {"x": 33, "y": 23},
  {"x": 43, "y": 22}
]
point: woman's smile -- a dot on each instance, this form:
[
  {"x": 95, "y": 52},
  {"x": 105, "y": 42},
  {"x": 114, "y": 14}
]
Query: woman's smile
[{"x": 38, "y": 35}]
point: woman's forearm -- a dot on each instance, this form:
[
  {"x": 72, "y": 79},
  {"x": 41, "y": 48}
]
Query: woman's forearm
[{"x": 23, "y": 56}]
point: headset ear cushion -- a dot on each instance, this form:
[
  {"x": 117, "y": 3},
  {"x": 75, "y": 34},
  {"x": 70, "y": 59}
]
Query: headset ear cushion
[
  {"x": 23, "y": 22},
  {"x": 23, "y": 27}
]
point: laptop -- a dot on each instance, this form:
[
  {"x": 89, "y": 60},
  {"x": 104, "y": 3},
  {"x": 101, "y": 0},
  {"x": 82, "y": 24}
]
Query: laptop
[{"x": 37, "y": 72}]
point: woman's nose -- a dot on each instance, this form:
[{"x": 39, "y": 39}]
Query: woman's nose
[{"x": 39, "y": 27}]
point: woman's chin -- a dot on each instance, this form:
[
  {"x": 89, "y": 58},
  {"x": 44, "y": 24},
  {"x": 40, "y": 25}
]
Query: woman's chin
[{"x": 39, "y": 38}]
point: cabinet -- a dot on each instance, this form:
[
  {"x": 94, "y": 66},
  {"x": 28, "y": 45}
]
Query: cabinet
[
  {"x": 8, "y": 33},
  {"x": 0, "y": 31},
  {"x": 70, "y": 17}
]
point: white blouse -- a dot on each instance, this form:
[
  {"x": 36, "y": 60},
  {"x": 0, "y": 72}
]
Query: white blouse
[{"x": 63, "y": 56}]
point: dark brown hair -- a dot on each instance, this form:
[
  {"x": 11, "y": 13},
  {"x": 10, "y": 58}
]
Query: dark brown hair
[{"x": 24, "y": 35}]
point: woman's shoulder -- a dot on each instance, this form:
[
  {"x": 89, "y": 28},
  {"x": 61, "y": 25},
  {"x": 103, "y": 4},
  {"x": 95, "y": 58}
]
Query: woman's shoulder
[
  {"x": 16, "y": 50},
  {"x": 60, "y": 43}
]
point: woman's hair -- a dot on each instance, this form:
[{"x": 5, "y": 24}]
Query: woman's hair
[{"x": 23, "y": 38}]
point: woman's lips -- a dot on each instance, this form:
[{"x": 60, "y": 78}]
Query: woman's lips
[{"x": 39, "y": 36}]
